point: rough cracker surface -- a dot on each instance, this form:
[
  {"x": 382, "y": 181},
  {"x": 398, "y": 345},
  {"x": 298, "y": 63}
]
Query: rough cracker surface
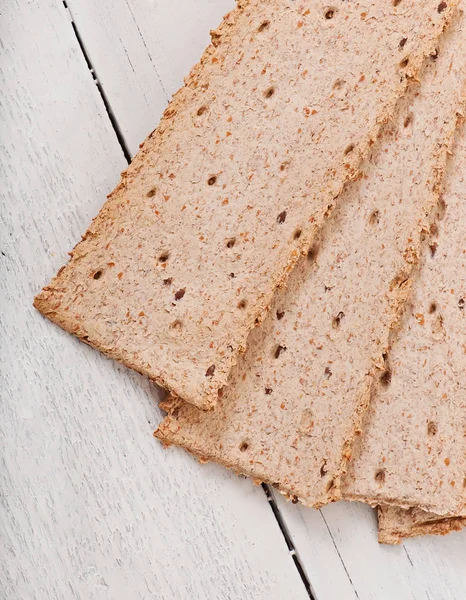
[
  {"x": 397, "y": 524},
  {"x": 234, "y": 183},
  {"x": 294, "y": 400},
  {"x": 413, "y": 451}
]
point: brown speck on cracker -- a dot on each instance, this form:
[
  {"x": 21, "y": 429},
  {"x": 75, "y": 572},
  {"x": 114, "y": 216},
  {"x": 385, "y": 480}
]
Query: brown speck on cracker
[
  {"x": 210, "y": 371},
  {"x": 279, "y": 350},
  {"x": 281, "y": 217},
  {"x": 263, "y": 26}
]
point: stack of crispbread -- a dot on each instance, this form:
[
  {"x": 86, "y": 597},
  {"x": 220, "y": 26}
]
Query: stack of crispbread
[
  {"x": 423, "y": 411},
  {"x": 233, "y": 215}
]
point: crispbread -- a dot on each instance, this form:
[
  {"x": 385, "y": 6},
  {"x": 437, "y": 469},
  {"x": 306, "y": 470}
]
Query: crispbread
[
  {"x": 413, "y": 450},
  {"x": 223, "y": 196},
  {"x": 295, "y": 399},
  {"x": 397, "y": 524}
]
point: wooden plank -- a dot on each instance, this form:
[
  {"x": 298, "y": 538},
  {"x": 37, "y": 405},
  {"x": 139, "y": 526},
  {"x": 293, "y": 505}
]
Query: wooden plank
[
  {"x": 92, "y": 506},
  {"x": 342, "y": 538},
  {"x": 317, "y": 551},
  {"x": 141, "y": 51}
]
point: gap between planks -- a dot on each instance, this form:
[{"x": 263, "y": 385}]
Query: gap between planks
[
  {"x": 127, "y": 154},
  {"x": 111, "y": 115}
]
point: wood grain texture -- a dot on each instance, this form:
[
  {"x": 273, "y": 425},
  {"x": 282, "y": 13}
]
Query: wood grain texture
[
  {"x": 91, "y": 506},
  {"x": 428, "y": 568},
  {"x": 142, "y": 49}
]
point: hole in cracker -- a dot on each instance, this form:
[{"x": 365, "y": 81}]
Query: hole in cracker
[
  {"x": 268, "y": 391},
  {"x": 323, "y": 469},
  {"x": 402, "y": 42},
  {"x": 328, "y": 373},
  {"x": 386, "y": 378},
  {"x": 337, "y": 320},
  {"x": 210, "y": 371},
  {"x": 312, "y": 252},
  {"x": 441, "y": 7},
  {"x": 374, "y": 218},
  {"x": 399, "y": 280},
  {"x": 294, "y": 499},
  {"x": 164, "y": 257},
  {"x": 180, "y": 293},
  {"x": 243, "y": 446},
  {"x": 269, "y": 92},
  {"x": 279, "y": 349},
  {"x": 168, "y": 281},
  {"x": 433, "y": 248},
  {"x": 280, "y": 314},
  {"x": 242, "y": 304},
  {"x": 396, "y": 2},
  {"x": 201, "y": 111},
  {"x": 408, "y": 120},
  {"x": 380, "y": 476},
  {"x": 405, "y": 62},
  {"x": 329, "y": 486},
  {"x": 263, "y": 26},
  {"x": 330, "y": 13},
  {"x": 212, "y": 180},
  {"x": 151, "y": 193},
  {"x": 432, "y": 428},
  {"x": 434, "y": 54},
  {"x": 231, "y": 242},
  {"x": 297, "y": 234},
  {"x": 281, "y": 217},
  {"x": 232, "y": 275},
  {"x": 349, "y": 149},
  {"x": 97, "y": 274},
  {"x": 461, "y": 303},
  {"x": 176, "y": 324},
  {"x": 339, "y": 83},
  {"x": 432, "y": 307}
]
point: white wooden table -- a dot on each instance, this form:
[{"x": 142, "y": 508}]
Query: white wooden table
[{"x": 92, "y": 507}]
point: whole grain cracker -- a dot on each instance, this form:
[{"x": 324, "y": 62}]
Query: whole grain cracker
[
  {"x": 413, "y": 449},
  {"x": 397, "y": 524},
  {"x": 232, "y": 186},
  {"x": 294, "y": 401}
]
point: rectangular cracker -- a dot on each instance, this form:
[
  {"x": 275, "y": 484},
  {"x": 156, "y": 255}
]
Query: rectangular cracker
[
  {"x": 397, "y": 524},
  {"x": 295, "y": 399},
  {"x": 413, "y": 450},
  {"x": 233, "y": 185}
]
